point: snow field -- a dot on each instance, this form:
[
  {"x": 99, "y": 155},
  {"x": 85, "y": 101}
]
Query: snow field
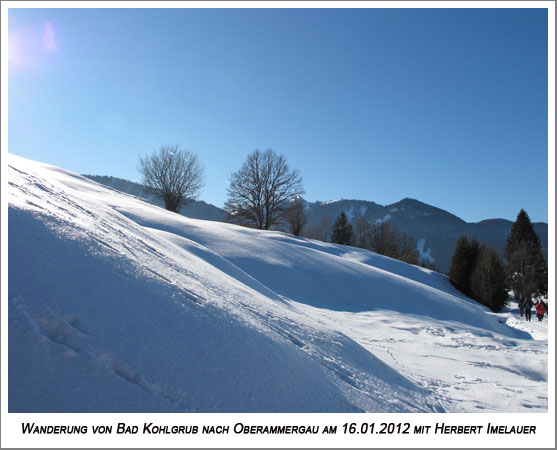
[{"x": 116, "y": 305}]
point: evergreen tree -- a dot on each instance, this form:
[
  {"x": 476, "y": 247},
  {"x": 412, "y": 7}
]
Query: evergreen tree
[
  {"x": 488, "y": 280},
  {"x": 541, "y": 291},
  {"x": 342, "y": 231},
  {"x": 526, "y": 263},
  {"x": 462, "y": 264}
]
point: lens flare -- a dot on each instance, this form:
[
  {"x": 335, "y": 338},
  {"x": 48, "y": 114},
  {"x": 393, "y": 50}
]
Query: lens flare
[
  {"x": 30, "y": 47},
  {"x": 49, "y": 38}
]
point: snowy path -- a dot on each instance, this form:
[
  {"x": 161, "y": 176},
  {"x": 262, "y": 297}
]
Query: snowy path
[{"x": 467, "y": 370}]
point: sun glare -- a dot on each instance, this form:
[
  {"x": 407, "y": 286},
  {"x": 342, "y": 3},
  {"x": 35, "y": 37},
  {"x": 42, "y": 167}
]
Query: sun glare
[
  {"x": 27, "y": 47},
  {"x": 15, "y": 55}
]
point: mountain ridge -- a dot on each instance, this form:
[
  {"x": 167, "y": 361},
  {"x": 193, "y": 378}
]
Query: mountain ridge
[{"x": 438, "y": 228}]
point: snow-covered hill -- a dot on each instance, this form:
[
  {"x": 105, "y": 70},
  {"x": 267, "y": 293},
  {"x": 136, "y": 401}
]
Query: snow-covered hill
[
  {"x": 196, "y": 209},
  {"x": 118, "y": 305},
  {"x": 436, "y": 231}
]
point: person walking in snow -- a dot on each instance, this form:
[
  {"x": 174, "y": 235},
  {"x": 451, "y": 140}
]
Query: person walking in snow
[
  {"x": 540, "y": 310},
  {"x": 545, "y": 308},
  {"x": 528, "y": 309},
  {"x": 521, "y": 307}
]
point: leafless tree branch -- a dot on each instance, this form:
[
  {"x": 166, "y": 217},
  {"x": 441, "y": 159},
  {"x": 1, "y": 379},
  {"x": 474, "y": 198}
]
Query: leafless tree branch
[
  {"x": 258, "y": 193},
  {"x": 172, "y": 174}
]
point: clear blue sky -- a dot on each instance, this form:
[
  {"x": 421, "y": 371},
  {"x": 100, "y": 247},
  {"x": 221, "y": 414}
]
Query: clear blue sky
[{"x": 448, "y": 106}]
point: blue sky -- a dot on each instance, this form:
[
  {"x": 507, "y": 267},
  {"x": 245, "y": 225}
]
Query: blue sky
[{"x": 448, "y": 106}]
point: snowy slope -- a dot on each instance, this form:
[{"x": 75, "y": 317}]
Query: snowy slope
[
  {"x": 118, "y": 305},
  {"x": 196, "y": 209}
]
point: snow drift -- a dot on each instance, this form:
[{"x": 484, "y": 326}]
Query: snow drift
[{"x": 116, "y": 305}]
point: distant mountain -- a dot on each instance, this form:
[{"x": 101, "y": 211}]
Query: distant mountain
[
  {"x": 435, "y": 229},
  {"x": 197, "y": 209},
  {"x": 354, "y": 209}
]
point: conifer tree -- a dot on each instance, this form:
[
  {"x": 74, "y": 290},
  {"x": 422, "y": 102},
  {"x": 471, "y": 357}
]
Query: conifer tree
[
  {"x": 542, "y": 288},
  {"x": 342, "y": 231},
  {"x": 525, "y": 260},
  {"x": 462, "y": 264},
  {"x": 488, "y": 280}
]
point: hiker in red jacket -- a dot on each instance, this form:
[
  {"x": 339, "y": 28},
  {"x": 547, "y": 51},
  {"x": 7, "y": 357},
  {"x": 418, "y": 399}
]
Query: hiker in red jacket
[{"x": 540, "y": 310}]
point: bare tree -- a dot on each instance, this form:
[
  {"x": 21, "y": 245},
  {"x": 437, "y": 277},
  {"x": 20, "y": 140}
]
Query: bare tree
[
  {"x": 172, "y": 174},
  {"x": 321, "y": 231},
  {"x": 384, "y": 239},
  {"x": 407, "y": 251},
  {"x": 296, "y": 216},
  {"x": 259, "y": 192},
  {"x": 362, "y": 233}
]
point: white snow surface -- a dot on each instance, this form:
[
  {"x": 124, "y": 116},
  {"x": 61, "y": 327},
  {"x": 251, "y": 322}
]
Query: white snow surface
[
  {"x": 383, "y": 219},
  {"x": 424, "y": 255},
  {"x": 116, "y": 305},
  {"x": 350, "y": 214}
]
